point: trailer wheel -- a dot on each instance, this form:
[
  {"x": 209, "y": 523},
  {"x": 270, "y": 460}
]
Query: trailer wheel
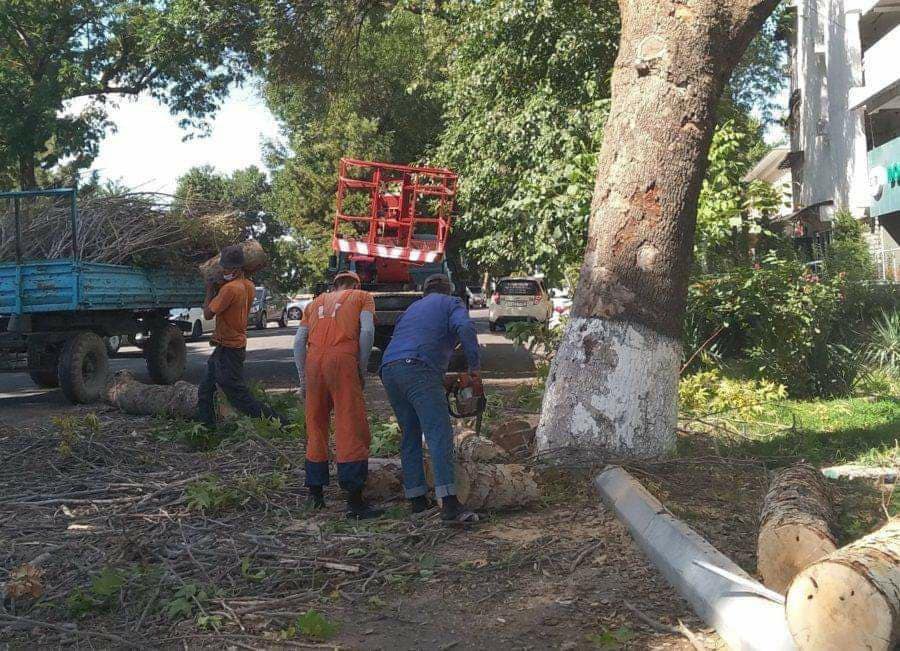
[
  {"x": 166, "y": 354},
  {"x": 83, "y": 367},
  {"x": 42, "y": 364}
]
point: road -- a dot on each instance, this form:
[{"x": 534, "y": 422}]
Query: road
[{"x": 269, "y": 360}]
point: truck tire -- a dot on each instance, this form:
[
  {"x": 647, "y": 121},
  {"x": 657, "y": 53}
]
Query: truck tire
[
  {"x": 166, "y": 354},
  {"x": 42, "y": 367},
  {"x": 83, "y": 367}
]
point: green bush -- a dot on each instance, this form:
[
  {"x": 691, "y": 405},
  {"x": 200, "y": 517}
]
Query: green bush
[
  {"x": 883, "y": 350},
  {"x": 707, "y": 392},
  {"x": 786, "y": 324}
]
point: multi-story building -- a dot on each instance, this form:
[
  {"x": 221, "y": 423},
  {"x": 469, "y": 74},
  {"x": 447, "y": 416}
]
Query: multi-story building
[{"x": 844, "y": 120}]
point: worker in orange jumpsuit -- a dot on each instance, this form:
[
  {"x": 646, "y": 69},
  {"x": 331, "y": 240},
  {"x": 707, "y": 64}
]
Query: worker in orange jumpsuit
[{"x": 331, "y": 351}]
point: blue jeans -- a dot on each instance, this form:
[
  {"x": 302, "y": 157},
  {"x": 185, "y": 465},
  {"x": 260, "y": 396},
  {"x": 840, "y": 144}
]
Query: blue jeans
[{"x": 417, "y": 395}]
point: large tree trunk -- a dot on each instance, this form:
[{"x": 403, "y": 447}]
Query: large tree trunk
[
  {"x": 613, "y": 384},
  {"x": 850, "y": 599},
  {"x": 27, "y": 174},
  {"x": 795, "y": 525}
]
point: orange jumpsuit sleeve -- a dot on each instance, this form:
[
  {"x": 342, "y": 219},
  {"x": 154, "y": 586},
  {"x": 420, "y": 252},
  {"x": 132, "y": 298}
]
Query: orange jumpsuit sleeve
[{"x": 223, "y": 299}]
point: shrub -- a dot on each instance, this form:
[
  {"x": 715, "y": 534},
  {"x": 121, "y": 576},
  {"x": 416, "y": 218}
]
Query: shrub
[
  {"x": 883, "y": 350},
  {"x": 789, "y": 325},
  {"x": 708, "y": 392}
]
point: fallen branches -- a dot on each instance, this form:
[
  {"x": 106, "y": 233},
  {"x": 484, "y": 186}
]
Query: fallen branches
[{"x": 134, "y": 228}]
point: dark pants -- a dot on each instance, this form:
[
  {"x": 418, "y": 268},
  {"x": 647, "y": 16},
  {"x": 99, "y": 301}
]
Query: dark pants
[{"x": 225, "y": 369}]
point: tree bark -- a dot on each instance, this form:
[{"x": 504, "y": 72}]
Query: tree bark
[
  {"x": 255, "y": 259},
  {"x": 27, "y": 173},
  {"x": 851, "y": 598},
  {"x": 125, "y": 392},
  {"x": 492, "y": 486},
  {"x": 795, "y": 525},
  {"x": 613, "y": 384}
]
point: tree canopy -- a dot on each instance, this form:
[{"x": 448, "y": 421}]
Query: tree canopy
[{"x": 62, "y": 62}]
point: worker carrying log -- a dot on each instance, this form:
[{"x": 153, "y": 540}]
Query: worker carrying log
[
  {"x": 230, "y": 306},
  {"x": 412, "y": 370},
  {"x": 331, "y": 351}
]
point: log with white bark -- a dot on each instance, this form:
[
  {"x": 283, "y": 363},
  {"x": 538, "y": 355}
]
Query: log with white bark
[
  {"x": 255, "y": 258},
  {"x": 125, "y": 392},
  {"x": 795, "y": 525},
  {"x": 491, "y": 486},
  {"x": 851, "y": 598},
  {"x": 613, "y": 385},
  {"x": 479, "y": 450}
]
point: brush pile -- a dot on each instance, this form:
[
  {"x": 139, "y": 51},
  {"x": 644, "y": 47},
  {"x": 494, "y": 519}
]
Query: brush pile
[{"x": 136, "y": 228}]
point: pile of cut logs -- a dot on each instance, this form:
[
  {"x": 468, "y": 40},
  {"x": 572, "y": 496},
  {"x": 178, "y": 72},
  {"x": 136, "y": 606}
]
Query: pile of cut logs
[{"x": 836, "y": 598}]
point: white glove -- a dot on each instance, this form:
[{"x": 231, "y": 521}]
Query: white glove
[{"x": 301, "y": 389}]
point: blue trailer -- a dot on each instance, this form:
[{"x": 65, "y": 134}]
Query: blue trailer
[{"x": 55, "y": 315}]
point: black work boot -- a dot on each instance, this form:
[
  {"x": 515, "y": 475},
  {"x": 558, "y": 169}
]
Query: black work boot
[
  {"x": 420, "y": 504},
  {"x": 452, "y": 510},
  {"x": 359, "y": 509},
  {"x": 316, "y": 499}
]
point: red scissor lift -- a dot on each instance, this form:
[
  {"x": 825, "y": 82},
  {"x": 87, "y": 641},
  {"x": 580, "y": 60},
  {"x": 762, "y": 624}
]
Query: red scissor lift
[{"x": 391, "y": 217}]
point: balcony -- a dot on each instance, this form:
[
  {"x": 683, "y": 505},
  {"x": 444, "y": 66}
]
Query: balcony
[{"x": 882, "y": 74}]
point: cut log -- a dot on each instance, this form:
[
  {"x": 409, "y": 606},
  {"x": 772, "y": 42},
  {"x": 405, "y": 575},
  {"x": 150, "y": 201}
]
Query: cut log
[
  {"x": 487, "y": 486},
  {"x": 125, "y": 392},
  {"x": 255, "y": 258},
  {"x": 479, "y": 450},
  {"x": 179, "y": 400},
  {"x": 851, "y": 598},
  {"x": 514, "y": 435},
  {"x": 795, "y": 525},
  {"x": 385, "y": 481}
]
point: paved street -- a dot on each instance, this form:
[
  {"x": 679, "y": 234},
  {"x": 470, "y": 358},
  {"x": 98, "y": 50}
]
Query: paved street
[{"x": 269, "y": 360}]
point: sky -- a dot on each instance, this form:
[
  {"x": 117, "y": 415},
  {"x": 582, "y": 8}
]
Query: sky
[{"x": 147, "y": 152}]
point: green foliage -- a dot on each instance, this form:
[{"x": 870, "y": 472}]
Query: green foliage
[
  {"x": 525, "y": 98},
  {"x": 608, "y": 640},
  {"x": 883, "y": 350},
  {"x": 385, "y": 438},
  {"x": 312, "y": 624},
  {"x": 731, "y": 212},
  {"x": 202, "y": 190},
  {"x": 823, "y": 432},
  {"x": 103, "y": 593},
  {"x": 707, "y": 392},
  {"x": 188, "y": 599},
  {"x": 95, "y": 50},
  {"x": 210, "y": 496}
]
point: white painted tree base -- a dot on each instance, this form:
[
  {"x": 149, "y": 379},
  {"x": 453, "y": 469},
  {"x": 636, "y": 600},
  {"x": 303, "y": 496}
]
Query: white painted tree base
[{"x": 613, "y": 387}]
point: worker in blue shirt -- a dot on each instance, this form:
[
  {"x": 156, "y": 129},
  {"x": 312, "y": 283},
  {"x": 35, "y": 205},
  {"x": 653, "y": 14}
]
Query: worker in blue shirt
[{"x": 412, "y": 370}]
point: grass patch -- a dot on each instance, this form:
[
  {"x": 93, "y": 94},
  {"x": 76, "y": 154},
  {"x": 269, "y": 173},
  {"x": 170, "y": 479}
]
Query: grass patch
[{"x": 823, "y": 432}]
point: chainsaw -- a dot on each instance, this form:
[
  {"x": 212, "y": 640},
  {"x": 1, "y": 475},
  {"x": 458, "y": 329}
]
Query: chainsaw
[{"x": 463, "y": 399}]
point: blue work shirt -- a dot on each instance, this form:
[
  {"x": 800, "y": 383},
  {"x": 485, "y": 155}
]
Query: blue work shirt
[{"x": 428, "y": 331}]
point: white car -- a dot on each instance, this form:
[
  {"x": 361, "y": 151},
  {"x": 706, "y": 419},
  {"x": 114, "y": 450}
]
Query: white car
[
  {"x": 519, "y": 299},
  {"x": 192, "y": 321},
  {"x": 296, "y": 306}
]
